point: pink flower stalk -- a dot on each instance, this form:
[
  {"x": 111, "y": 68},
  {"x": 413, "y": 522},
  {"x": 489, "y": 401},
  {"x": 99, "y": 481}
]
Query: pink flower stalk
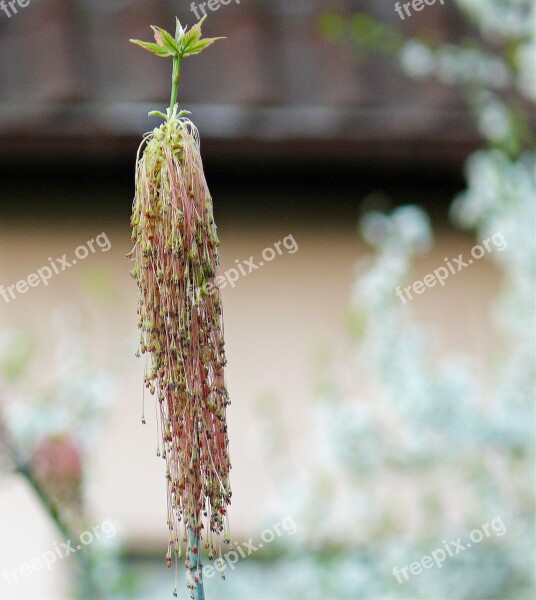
[{"x": 176, "y": 263}]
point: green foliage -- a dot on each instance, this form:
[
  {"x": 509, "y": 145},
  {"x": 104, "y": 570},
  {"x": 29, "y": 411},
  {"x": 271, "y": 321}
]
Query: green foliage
[
  {"x": 13, "y": 363},
  {"x": 367, "y": 35},
  {"x": 155, "y": 48},
  {"x": 185, "y": 43}
]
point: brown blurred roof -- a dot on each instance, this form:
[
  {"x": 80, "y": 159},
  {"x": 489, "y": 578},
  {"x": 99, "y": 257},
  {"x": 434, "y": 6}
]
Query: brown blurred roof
[{"x": 71, "y": 82}]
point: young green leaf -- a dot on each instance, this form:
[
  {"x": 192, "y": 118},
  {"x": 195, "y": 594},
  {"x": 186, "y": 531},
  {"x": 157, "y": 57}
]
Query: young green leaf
[
  {"x": 165, "y": 39},
  {"x": 187, "y": 43},
  {"x": 191, "y": 43},
  {"x": 157, "y": 113},
  {"x": 154, "y": 48},
  {"x": 191, "y": 37},
  {"x": 180, "y": 29},
  {"x": 199, "y": 46}
]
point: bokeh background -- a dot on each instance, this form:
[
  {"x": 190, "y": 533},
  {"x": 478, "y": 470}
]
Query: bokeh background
[{"x": 380, "y": 429}]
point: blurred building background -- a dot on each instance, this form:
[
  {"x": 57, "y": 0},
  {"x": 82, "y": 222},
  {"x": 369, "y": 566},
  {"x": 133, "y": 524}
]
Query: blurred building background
[
  {"x": 275, "y": 88},
  {"x": 300, "y": 137}
]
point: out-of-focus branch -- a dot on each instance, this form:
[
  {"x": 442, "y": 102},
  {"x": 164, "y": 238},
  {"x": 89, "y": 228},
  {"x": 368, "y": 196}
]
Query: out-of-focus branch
[{"x": 8, "y": 447}]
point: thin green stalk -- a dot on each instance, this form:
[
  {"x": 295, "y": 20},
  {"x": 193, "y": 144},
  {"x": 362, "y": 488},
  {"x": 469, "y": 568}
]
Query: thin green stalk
[
  {"x": 176, "y": 73},
  {"x": 175, "y": 81},
  {"x": 196, "y": 568}
]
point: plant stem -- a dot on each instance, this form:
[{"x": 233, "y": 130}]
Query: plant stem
[
  {"x": 89, "y": 588},
  {"x": 175, "y": 81},
  {"x": 50, "y": 508},
  {"x": 195, "y": 565}
]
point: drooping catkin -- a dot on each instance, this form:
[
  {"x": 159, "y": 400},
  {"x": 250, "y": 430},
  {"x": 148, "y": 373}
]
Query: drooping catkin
[{"x": 180, "y": 318}]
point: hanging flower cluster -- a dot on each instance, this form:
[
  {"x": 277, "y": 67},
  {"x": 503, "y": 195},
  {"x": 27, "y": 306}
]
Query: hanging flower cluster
[{"x": 176, "y": 262}]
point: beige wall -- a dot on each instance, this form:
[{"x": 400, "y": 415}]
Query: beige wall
[{"x": 274, "y": 320}]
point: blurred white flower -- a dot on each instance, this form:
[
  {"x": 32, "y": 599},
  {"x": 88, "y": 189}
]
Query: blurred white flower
[
  {"x": 494, "y": 121},
  {"x": 417, "y": 59},
  {"x": 73, "y": 403},
  {"x": 526, "y": 61}
]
